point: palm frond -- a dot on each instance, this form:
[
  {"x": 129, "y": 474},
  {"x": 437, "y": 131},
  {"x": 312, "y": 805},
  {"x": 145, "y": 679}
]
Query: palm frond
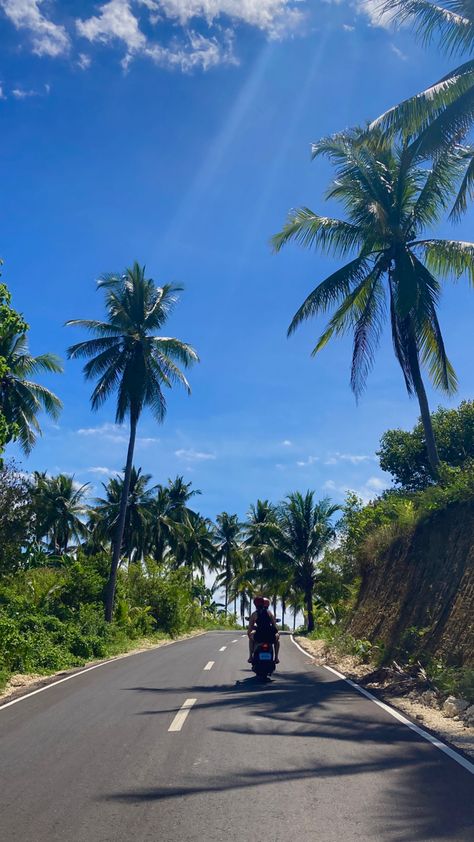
[
  {"x": 330, "y": 291},
  {"x": 454, "y": 30},
  {"x": 466, "y": 190},
  {"x": 448, "y": 257},
  {"x": 308, "y": 229}
]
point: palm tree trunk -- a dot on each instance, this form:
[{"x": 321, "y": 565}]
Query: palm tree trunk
[
  {"x": 227, "y": 577},
  {"x": 295, "y": 611},
  {"x": 283, "y": 610},
  {"x": 309, "y": 608},
  {"x": 110, "y": 589},
  {"x": 430, "y": 441}
]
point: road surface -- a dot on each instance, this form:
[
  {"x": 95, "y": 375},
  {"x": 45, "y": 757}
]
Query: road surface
[{"x": 113, "y": 756}]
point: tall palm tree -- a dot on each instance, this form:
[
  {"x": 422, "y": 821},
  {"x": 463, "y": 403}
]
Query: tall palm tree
[
  {"x": 306, "y": 530},
  {"x": 179, "y": 495},
  {"x": 195, "y": 540},
  {"x": 126, "y": 356},
  {"x": 228, "y": 530},
  {"x": 106, "y": 512},
  {"x": 389, "y": 202},
  {"x": 161, "y": 530},
  {"x": 20, "y": 398},
  {"x": 60, "y": 510},
  {"x": 443, "y": 114}
]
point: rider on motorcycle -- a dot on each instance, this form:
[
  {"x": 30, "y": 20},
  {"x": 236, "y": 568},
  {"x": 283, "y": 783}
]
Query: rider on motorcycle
[{"x": 262, "y": 627}]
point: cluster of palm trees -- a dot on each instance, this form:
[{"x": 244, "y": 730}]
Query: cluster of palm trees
[
  {"x": 275, "y": 550},
  {"x": 395, "y": 179}
]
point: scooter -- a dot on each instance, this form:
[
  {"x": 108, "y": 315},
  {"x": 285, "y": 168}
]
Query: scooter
[{"x": 263, "y": 660}]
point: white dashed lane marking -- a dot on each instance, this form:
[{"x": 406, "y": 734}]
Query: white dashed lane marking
[
  {"x": 209, "y": 665},
  {"x": 222, "y": 648},
  {"x": 182, "y": 715}
]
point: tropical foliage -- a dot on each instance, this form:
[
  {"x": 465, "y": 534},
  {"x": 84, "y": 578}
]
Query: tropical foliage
[
  {"x": 437, "y": 119},
  {"x": 394, "y": 268},
  {"x": 402, "y": 453},
  {"x": 127, "y": 357},
  {"x": 21, "y": 398}
]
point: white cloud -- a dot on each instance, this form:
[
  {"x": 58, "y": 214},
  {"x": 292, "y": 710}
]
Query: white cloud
[
  {"x": 25, "y": 93},
  {"x": 194, "y": 455},
  {"x": 287, "y": 443},
  {"x": 367, "y": 491},
  {"x": 106, "y": 472},
  {"x": 84, "y": 61},
  {"x": 347, "y": 27},
  {"x": 372, "y": 10},
  {"x": 202, "y": 36},
  {"x": 115, "y": 21},
  {"x": 352, "y": 458},
  {"x": 2, "y": 93},
  {"x": 275, "y": 17},
  {"x": 399, "y": 53},
  {"x": 110, "y": 432},
  {"x": 377, "y": 483},
  {"x": 309, "y": 461},
  {"x": 47, "y": 38}
]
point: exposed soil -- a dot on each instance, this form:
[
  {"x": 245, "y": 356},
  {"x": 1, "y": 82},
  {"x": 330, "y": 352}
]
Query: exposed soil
[{"x": 400, "y": 688}]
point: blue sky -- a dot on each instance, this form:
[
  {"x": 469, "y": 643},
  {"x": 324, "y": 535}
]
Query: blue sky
[{"x": 177, "y": 133}]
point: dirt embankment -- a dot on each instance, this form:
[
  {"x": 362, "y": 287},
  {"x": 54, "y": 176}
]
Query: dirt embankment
[{"x": 420, "y": 594}]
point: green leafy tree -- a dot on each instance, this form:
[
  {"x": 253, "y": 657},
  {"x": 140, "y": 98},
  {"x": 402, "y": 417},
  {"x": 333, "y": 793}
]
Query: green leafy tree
[
  {"x": 11, "y": 323},
  {"x": 16, "y": 519},
  {"x": 60, "y": 510},
  {"x": 389, "y": 203},
  {"x": 127, "y": 357},
  {"x": 403, "y": 453}
]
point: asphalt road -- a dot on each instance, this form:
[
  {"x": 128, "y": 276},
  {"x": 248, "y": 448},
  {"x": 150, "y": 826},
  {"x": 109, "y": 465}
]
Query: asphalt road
[{"x": 303, "y": 758}]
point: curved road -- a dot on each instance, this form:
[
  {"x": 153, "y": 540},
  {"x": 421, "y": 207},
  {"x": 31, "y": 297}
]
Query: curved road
[{"x": 306, "y": 757}]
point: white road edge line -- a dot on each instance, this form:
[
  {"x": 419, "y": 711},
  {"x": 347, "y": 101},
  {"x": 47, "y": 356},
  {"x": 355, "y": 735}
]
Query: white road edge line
[
  {"x": 235, "y": 641},
  {"x": 182, "y": 715},
  {"x": 209, "y": 665},
  {"x": 93, "y": 667},
  {"x": 396, "y": 715},
  {"x": 222, "y": 648}
]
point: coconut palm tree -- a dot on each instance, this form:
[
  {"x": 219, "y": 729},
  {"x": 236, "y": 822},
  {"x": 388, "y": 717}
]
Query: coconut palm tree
[
  {"x": 60, "y": 509},
  {"x": 20, "y": 398},
  {"x": 161, "y": 530},
  {"x": 106, "y": 512},
  {"x": 228, "y": 530},
  {"x": 389, "y": 203},
  {"x": 195, "y": 544},
  {"x": 443, "y": 114},
  {"x": 179, "y": 495},
  {"x": 127, "y": 356},
  {"x": 306, "y": 530}
]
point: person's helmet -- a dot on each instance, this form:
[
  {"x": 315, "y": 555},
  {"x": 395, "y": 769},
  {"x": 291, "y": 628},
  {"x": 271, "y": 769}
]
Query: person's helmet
[{"x": 259, "y": 602}]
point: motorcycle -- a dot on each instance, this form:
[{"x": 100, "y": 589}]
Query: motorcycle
[{"x": 263, "y": 660}]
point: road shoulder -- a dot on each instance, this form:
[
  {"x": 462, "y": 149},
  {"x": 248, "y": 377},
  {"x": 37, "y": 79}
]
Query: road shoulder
[
  {"x": 454, "y": 732},
  {"x": 21, "y": 684}
]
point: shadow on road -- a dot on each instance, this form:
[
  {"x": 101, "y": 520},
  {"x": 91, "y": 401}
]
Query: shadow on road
[{"x": 421, "y": 794}]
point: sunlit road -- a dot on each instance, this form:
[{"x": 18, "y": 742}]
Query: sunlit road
[{"x": 181, "y": 744}]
